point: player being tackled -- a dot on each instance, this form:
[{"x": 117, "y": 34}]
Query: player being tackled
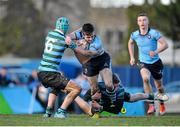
[{"x": 102, "y": 100}]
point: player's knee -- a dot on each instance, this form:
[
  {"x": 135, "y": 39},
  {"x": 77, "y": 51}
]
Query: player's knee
[
  {"x": 75, "y": 92},
  {"x": 73, "y": 87},
  {"x": 77, "y": 89},
  {"x": 145, "y": 79},
  {"x": 54, "y": 91}
]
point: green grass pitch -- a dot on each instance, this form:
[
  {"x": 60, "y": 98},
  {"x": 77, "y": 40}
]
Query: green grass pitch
[{"x": 84, "y": 120}]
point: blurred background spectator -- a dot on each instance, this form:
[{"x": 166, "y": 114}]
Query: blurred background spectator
[
  {"x": 33, "y": 81},
  {"x": 5, "y": 80},
  {"x": 37, "y": 89}
]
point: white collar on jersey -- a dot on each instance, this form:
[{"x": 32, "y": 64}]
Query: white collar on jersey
[{"x": 59, "y": 31}]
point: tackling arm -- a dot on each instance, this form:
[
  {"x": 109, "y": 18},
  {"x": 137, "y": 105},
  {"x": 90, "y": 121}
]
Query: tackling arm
[{"x": 73, "y": 34}]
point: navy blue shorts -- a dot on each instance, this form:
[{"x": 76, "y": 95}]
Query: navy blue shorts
[
  {"x": 95, "y": 65},
  {"x": 156, "y": 69}
]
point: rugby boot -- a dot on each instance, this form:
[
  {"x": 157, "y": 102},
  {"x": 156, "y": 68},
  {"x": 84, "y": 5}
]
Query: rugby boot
[
  {"x": 48, "y": 113},
  {"x": 61, "y": 113},
  {"x": 162, "y": 109},
  {"x": 151, "y": 109}
]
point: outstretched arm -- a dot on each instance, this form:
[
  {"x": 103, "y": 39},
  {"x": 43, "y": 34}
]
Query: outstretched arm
[
  {"x": 80, "y": 50},
  {"x": 73, "y": 35},
  {"x": 87, "y": 108},
  {"x": 140, "y": 96}
]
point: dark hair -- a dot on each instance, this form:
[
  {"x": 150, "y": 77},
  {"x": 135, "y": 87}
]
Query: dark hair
[
  {"x": 116, "y": 78},
  {"x": 88, "y": 28},
  {"x": 142, "y": 14}
]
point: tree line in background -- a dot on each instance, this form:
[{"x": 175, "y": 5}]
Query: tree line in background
[{"x": 22, "y": 29}]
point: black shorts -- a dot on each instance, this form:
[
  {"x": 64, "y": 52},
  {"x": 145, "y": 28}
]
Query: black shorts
[
  {"x": 55, "y": 80},
  {"x": 95, "y": 65},
  {"x": 156, "y": 68}
]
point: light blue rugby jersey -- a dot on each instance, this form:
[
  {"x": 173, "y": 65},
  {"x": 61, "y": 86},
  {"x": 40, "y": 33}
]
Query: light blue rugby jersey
[
  {"x": 53, "y": 51},
  {"x": 146, "y": 43},
  {"x": 95, "y": 45}
]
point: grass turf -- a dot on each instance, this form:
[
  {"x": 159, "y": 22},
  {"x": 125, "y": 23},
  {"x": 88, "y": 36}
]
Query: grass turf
[{"x": 84, "y": 120}]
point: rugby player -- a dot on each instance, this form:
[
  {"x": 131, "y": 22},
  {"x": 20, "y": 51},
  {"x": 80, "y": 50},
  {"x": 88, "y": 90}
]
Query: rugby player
[
  {"x": 102, "y": 101},
  {"x": 147, "y": 40},
  {"x": 48, "y": 71},
  {"x": 94, "y": 59}
]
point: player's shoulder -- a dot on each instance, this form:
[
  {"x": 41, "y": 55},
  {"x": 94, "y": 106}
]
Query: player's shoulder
[
  {"x": 135, "y": 33},
  {"x": 78, "y": 34},
  {"x": 97, "y": 39},
  {"x": 153, "y": 30},
  {"x": 56, "y": 34}
]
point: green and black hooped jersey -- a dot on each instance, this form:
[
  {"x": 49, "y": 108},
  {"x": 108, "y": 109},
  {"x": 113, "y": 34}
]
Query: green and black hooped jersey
[
  {"x": 54, "y": 50},
  {"x": 120, "y": 91}
]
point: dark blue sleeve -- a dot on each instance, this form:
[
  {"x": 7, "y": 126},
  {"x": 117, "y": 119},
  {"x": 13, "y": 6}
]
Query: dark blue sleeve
[{"x": 78, "y": 35}]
